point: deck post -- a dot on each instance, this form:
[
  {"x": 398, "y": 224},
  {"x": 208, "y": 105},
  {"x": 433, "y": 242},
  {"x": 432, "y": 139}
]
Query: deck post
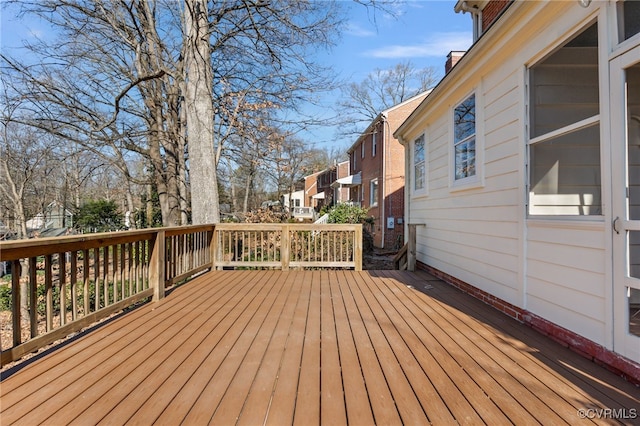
[
  {"x": 214, "y": 247},
  {"x": 285, "y": 247},
  {"x": 412, "y": 241},
  {"x": 357, "y": 248},
  {"x": 157, "y": 265}
]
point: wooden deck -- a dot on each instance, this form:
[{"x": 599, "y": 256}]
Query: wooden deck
[{"x": 314, "y": 347}]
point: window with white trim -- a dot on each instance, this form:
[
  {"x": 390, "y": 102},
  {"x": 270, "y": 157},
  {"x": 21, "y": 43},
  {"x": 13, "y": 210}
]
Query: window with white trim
[
  {"x": 374, "y": 144},
  {"x": 564, "y": 130},
  {"x": 419, "y": 170},
  {"x": 362, "y": 149},
  {"x": 464, "y": 139},
  {"x": 373, "y": 192}
]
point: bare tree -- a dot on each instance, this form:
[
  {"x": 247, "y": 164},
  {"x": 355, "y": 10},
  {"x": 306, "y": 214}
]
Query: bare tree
[
  {"x": 108, "y": 83},
  {"x": 380, "y": 90},
  {"x": 200, "y": 113},
  {"x": 151, "y": 80}
]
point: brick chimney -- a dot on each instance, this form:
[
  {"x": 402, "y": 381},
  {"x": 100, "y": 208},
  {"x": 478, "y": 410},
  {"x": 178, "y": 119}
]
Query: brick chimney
[{"x": 452, "y": 59}]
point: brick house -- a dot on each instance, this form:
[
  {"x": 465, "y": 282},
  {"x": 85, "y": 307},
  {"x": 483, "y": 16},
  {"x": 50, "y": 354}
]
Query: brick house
[
  {"x": 376, "y": 179},
  {"x": 318, "y": 191},
  {"x": 341, "y": 193}
]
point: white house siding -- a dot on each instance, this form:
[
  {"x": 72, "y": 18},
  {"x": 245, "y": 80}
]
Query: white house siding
[
  {"x": 552, "y": 268},
  {"x": 566, "y": 276},
  {"x": 473, "y": 234}
]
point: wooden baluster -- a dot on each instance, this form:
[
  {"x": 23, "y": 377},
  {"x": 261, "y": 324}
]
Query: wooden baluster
[
  {"x": 16, "y": 317},
  {"x": 285, "y": 247},
  {"x": 96, "y": 278},
  {"x": 105, "y": 274},
  {"x": 73, "y": 282},
  {"x": 114, "y": 272},
  {"x": 33, "y": 296},
  {"x": 62, "y": 283},
  {"x": 123, "y": 283},
  {"x": 48, "y": 285},
  {"x": 86, "y": 278},
  {"x": 129, "y": 273}
]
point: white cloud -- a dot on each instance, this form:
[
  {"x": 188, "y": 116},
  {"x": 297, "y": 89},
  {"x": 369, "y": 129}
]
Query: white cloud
[
  {"x": 358, "y": 31},
  {"x": 438, "y": 44}
]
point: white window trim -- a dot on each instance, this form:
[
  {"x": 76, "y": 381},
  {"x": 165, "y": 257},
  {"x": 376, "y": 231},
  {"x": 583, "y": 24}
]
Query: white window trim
[
  {"x": 477, "y": 180},
  {"x": 424, "y": 191},
  {"x": 603, "y": 58},
  {"x": 374, "y": 143},
  {"x": 372, "y": 202},
  {"x": 362, "y": 148}
]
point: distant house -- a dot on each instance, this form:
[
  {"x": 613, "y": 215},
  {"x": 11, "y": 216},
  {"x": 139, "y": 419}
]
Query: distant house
[
  {"x": 318, "y": 190},
  {"x": 523, "y": 164},
  {"x": 293, "y": 199},
  {"x": 341, "y": 193},
  {"x": 54, "y": 216},
  {"x": 376, "y": 179}
]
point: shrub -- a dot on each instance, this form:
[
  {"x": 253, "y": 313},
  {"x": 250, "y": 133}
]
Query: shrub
[
  {"x": 5, "y": 298},
  {"x": 99, "y": 216},
  {"x": 345, "y": 213}
]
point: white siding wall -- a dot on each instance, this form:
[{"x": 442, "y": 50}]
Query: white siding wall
[
  {"x": 473, "y": 234},
  {"x": 566, "y": 275},
  {"x": 553, "y": 268}
]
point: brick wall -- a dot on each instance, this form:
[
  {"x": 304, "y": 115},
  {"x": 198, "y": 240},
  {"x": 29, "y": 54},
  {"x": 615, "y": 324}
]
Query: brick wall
[
  {"x": 342, "y": 172},
  {"x": 389, "y": 158},
  {"x": 452, "y": 59},
  {"x": 492, "y": 11}
]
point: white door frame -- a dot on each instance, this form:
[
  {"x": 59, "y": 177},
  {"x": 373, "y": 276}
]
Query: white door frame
[{"x": 624, "y": 342}]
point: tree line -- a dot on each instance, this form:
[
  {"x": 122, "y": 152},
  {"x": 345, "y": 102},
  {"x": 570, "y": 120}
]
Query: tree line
[{"x": 168, "y": 107}]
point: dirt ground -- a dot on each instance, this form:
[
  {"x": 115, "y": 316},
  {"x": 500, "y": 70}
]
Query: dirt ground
[{"x": 378, "y": 260}]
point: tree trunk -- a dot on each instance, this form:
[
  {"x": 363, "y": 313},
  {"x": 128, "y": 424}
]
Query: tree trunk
[
  {"x": 247, "y": 190},
  {"x": 199, "y": 114}
]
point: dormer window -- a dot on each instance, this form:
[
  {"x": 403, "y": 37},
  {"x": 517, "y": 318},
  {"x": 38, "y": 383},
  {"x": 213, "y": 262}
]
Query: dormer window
[
  {"x": 472, "y": 7},
  {"x": 483, "y": 13}
]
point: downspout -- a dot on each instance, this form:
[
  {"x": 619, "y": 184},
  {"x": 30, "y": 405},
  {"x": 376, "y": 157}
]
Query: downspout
[
  {"x": 383, "y": 188},
  {"x": 407, "y": 198},
  {"x": 386, "y": 135}
]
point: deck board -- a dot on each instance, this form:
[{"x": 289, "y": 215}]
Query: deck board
[{"x": 312, "y": 347}]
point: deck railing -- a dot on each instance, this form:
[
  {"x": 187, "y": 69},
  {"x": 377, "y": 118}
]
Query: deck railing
[
  {"x": 285, "y": 246},
  {"x": 405, "y": 259},
  {"x": 62, "y": 285}
]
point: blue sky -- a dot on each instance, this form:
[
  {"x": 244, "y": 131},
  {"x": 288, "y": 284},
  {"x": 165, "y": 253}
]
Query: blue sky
[{"x": 422, "y": 31}]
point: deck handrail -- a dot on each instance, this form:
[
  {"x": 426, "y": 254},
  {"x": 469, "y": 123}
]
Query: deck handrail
[
  {"x": 68, "y": 283},
  {"x": 285, "y": 246}
]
